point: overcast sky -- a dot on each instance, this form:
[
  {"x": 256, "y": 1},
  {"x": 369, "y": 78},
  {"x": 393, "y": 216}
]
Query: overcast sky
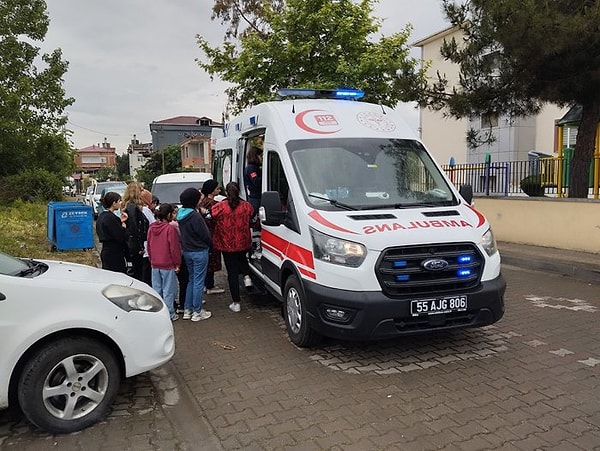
[{"x": 133, "y": 62}]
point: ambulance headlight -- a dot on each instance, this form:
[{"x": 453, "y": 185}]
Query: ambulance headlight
[
  {"x": 489, "y": 242},
  {"x": 337, "y": 251}
]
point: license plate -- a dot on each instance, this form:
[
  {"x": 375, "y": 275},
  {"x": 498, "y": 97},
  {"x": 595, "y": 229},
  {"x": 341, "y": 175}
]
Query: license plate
[{"x": 447, "y": 304}]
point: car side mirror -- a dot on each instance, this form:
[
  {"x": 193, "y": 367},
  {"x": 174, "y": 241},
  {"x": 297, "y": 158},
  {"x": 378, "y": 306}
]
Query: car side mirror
[
  {"x": 466, "y": 191},
  {"x": 270, "y": 212}
]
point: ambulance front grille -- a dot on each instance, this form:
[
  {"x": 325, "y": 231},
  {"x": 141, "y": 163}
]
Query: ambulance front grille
[{"x": 417, "y": 270}]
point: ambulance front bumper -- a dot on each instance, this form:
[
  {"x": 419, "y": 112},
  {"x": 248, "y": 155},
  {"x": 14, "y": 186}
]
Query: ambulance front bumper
[{"x": 368, "y": 315}]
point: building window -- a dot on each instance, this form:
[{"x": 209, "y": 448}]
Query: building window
[{"x": 489, "y": 120}]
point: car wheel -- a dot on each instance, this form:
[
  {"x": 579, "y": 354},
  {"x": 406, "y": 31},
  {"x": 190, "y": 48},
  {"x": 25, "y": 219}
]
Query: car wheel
[
  {"x": 69, "y": 384},
  {"x": 295, "y": 314}
]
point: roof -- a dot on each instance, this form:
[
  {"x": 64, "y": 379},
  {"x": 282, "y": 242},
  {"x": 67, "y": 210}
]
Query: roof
[
  {"x": 573, "y": 116},
  {"x": 435, "y": 36},
  {"x": 185, "y": 120}
]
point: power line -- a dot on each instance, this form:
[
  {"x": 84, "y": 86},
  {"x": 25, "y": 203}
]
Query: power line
[{"x": 106, "y": 134}]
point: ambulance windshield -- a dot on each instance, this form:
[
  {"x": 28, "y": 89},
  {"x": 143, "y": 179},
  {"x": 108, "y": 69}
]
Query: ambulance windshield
[{"x": 368, "y": 173}]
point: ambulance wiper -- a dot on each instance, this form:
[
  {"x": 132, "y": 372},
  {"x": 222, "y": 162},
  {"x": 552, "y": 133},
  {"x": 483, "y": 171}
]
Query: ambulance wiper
[
  {"x": 423, "y": 204},
  {"x": 334, "y": 202}
]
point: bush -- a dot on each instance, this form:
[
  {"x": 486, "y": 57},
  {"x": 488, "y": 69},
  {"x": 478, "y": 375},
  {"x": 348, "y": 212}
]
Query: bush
[
  {"x": 32, "y": 185},
  {"x": 532, "y": 185}
]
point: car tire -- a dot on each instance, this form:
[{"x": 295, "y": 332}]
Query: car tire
[
  {"x": 69, "y": 384},
  {"x": 296, "y": 315}
]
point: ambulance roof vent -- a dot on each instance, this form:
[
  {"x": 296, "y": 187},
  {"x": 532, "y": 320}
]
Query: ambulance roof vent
[{"x": 347, "y": 94}]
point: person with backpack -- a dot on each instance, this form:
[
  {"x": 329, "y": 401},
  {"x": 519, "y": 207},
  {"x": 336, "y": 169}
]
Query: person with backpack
[{"x": 137, "y": 227}]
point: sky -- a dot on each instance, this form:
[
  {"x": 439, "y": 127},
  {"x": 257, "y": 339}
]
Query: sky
[{"x": 133, "y": 62}]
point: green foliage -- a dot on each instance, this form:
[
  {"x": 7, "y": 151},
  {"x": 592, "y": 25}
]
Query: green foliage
[
  {"x": 532, "y": 185},
  {"x": 154, "y": 165},
  {"x": 122, "y": 168},
  {"x": 311, "y": 44},
  {"x": 32, "y": 185},
  {"x": 517, "y": 55},
  {"x": 106, "y": 173},
  {"x": 32, "y": 97}
]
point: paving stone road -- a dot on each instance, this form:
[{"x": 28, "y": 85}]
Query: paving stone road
[{"x": 529, "y": 382}]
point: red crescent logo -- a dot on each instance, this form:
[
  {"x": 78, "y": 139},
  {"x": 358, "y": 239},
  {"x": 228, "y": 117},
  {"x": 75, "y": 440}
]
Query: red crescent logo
[{"x": 300, "y": 122}]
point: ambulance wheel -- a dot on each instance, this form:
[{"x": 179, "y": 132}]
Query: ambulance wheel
[{"x": 296, "y": 316}]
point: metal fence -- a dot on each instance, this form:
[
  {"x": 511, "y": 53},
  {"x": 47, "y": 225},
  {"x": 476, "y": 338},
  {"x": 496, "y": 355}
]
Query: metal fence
[{"x": 547, "y": 176}]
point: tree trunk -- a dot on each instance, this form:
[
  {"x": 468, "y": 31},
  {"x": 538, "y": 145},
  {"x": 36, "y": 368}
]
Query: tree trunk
[{"x": 584, "y": 150}]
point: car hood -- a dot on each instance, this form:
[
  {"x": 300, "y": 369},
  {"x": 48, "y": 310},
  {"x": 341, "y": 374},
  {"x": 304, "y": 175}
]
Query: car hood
[{"x": 59, "y": 270}]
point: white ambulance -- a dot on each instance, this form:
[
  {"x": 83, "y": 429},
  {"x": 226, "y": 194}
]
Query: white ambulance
[{"x": 363, "y": 236}]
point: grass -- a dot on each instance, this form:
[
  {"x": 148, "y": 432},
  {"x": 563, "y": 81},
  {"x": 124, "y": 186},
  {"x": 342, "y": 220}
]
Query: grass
[{"x": 23, "y": 233}]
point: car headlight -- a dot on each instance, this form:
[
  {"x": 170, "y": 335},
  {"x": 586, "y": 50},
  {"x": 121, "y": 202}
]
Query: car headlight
[
  {"x": 489, "y": 242},
  {"x": 131, "y": 299},
  {"x": 335, "y": 250}
]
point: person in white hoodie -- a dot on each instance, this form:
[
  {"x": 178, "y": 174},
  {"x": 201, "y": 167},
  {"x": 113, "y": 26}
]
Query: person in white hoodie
[{"x": 164, "y": 253}]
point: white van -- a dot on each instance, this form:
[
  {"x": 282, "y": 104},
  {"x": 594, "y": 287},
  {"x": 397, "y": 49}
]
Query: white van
[
  {"x": 363, "y": 235},
  {"x": 168, "y": 187}
]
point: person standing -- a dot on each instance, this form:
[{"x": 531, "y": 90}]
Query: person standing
[
  {"x": 148, "y": 209},
  {"x": 137, "y": 227},
  {"x": 195, "y": 243},
  {"x": 209, "y": 190},
  {"x": 253, "y": 177},
  {"x": 232, "y": 237},
  {"x": 112, "y": 233},
  {"x": 164, "y": 254},
  {"x": 253, "y": 182}
]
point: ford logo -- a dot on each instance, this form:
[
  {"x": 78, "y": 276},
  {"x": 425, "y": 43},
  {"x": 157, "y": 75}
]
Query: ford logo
[{"x": 435, "y": 264}]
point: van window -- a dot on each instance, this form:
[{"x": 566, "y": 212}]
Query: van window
[{"x": 368, "y": 173}]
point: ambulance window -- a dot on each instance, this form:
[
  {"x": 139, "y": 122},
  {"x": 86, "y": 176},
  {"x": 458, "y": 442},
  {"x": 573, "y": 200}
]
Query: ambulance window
[{"x": 276, "y": 180}]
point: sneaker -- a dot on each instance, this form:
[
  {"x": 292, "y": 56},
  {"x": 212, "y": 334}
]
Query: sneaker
[
  {"x": 175, "y": 317},
  {"x": 202, "y": 314},
  {"x": 215, "y": 290},
  {"x": 235, "y": 307},
  {"x": 256, "y": 255},
  {"x": 187, "y": 314},
  {"x": 178, "y": 310},
  {"x": 247, "y": 281}
]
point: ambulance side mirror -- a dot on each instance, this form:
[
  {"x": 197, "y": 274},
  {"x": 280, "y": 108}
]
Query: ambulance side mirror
[
  {"x": 466, "y": 191},
  {"x": 270, "y": 211}
]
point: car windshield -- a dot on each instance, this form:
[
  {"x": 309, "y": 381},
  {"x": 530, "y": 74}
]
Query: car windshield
[
  {"x": 169, "y": 192},
  {"x": 103, "y": 186},
  {"x": 10, "y": 266},
  {"x": 368, "y": 173}
]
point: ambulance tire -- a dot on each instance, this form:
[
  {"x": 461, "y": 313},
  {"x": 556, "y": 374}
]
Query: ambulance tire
[{"x": 296, "y": 316}]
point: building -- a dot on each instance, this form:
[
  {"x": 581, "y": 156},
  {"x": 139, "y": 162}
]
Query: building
[
  {"x": 191, "y": 134},
  {"x": 516, "y": 138},
  {"x": 138, "y": 154},
  {"x": 91, "y": 159}
]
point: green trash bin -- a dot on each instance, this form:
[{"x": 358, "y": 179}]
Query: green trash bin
[{"x": 70, "y": 226}]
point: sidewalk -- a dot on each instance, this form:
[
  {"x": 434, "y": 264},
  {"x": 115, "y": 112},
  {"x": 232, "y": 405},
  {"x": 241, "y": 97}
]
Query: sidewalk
[{"x": 579, "y": 265}]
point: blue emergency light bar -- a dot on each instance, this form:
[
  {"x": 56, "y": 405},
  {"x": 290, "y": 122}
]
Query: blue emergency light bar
[{"x": 349, "y": 94}]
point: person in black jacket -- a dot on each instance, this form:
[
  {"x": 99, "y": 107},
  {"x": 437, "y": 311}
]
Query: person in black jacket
[
  {"x": 137, "y": 227},
  {"x": 112, "y": 233},
  {"x": 195, "y": 243}
]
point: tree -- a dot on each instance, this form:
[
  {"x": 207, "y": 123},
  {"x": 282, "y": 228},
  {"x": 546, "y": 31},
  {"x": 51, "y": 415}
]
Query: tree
[
  {"x": 154, "y": 165},
  {"x": 517, "y": 55},
  {"x": 32, "y": 100},
  {"x": 309, "y": 44},
  {"x": 122, "y": 168}
]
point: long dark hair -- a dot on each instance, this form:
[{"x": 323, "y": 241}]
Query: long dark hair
[
  {"x": 253, "y": 155},
  {"x": 233, "y": 194}
]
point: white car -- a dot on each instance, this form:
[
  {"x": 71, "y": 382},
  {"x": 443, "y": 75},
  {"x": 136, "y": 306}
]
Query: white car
[{"x": 69, "y": 334}]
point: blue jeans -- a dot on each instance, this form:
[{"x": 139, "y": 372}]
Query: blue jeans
[
  {"x": 164, "y": 281},
  {"x": 197, "y": 264}
]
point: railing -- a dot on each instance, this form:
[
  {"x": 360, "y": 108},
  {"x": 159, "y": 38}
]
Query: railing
[{"x": 542, "y": 176}]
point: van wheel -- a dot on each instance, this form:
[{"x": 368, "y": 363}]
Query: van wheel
[
  {"x": 69, "y": 384},
  {"x": 295, "y": 314}
]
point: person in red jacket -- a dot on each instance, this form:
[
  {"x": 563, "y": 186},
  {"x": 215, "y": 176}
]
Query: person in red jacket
[
  {"x": 164, "y": 252},
  {"x": 232, "y": 218}
]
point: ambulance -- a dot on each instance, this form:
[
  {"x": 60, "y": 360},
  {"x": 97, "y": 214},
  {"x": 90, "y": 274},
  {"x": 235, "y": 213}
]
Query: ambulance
[{"x": 362, "y": 236}]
